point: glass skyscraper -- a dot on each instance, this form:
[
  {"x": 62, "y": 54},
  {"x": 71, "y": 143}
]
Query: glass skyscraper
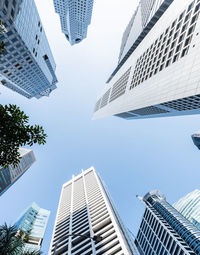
[
  {"x": 196, "y": 139},
  {"x": 9, "y": 175},
  {"x": 28, "y": 66},
  {"x": 189, "y": 207},
  {"x": 32, "y": 223},
  {"x": 158, "y": 70},
  {"x": 164, "y": 230},
  {"x": 86, "y": 209},
  {"x": 75, "y": 16}
]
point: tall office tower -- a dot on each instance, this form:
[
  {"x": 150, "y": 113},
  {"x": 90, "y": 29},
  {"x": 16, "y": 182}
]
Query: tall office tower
[
  {"x": 158, "y": 71},
  {"x": 143, "y": 14},
  {"x": 86, "y": 209},
  {"x": 9, "y": 175},
  {"x": 189, "y": 207},
  {"x": 32, "y": 224},
  {"x": 75, "y": 17},
  {"x": 196, "y": 139},
  {"x": 164, "y": 230},
  {"x": 28, "y": 66}
]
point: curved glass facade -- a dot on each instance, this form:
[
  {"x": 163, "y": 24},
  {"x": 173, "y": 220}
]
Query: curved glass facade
[{"x": 189, "y": 207}]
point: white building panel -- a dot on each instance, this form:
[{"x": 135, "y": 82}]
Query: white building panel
[
  {"x": 86, "y": 209},
  {"x": 164, "y": 78}
]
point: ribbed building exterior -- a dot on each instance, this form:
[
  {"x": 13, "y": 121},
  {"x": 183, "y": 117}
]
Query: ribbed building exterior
[
  {"x": 159, "y": 64},
  {"x": 9, "y": 175},
  {"x": 141, "y": 17},
  {"x": 28, "y": 66},
  {"x": 85, "y": 208},
  {"x": 32, "y": 223},
  {"x": 189, "y": 207},
  {"x": 75, "y": 17},
  {"x": 164, "y": 230}
]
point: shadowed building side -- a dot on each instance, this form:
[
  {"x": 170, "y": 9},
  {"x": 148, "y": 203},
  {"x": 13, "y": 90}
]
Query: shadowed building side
[{"x": 196, "y": 139}]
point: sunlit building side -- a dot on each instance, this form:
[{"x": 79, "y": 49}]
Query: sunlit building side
[{"x": 159, "y": 64}]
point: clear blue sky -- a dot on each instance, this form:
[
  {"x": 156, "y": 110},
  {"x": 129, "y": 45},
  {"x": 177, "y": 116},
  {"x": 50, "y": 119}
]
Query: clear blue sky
[{"x": 132, "y": 157}]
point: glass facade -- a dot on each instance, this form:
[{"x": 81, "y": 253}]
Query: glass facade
[
  {"x": 196, "y": 139},
  {"x": 33, "y": 222},
  {"x": 28, "y": 66},
  {"x": 11, "y": 174},
  {"x": 189, "y": 207},
  {"x": 164, "y": 230},
  {"x": 75, "y": 16}
]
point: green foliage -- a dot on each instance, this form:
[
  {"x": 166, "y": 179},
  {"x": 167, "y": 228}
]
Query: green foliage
[
  {"x": 12, "y": 244},
  {"x": 15, "y": 132},
  {"x": 26, "y": 239},
  {"x": 9, "y": 243}
]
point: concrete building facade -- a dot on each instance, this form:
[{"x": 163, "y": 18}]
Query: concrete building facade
[
  {"x": 86, "y": 209},
  {"x": 159, "y": 74}
]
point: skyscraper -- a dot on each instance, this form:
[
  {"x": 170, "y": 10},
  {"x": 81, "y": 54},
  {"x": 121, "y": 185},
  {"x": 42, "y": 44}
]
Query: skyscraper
[
  {"x": 158, "y": 70},
  {"x": 196, "y": 139},
  {"x": 28, "y": 66},
  {"x": 164, "y": 230},
  {"x": 75, "y": 16},
  {"x": 9, "y": 175},
  {"x": 86, "y": 209},
  {"x": 32, "y": 224},
  {"x": 189, "y": 207}
]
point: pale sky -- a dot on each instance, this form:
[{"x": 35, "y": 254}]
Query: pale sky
[{"x": 132, "y": 157}]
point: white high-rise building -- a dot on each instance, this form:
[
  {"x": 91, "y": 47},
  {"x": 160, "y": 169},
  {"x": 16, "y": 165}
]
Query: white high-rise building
[
  {"x": 189, "y": 206},
  {"x": 159, "y": 63},
  {"x": 75, "y": 17},
  {"x": 86, "y": 209}
]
